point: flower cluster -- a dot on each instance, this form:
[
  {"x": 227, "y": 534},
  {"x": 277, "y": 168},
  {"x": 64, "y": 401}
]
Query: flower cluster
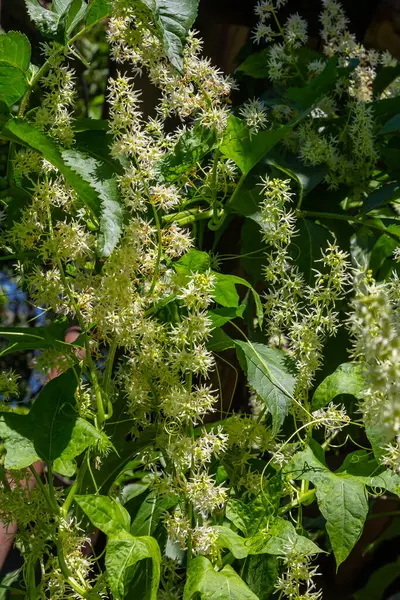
[
  {"x": 374, "y": 326},
  {"x": 299, "y": 315},
  {"x": 297, "y": 581}
]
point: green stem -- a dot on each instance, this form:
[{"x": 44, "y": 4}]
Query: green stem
[
  {"x": 75, "y": 486},
  {"x": 309, "y": 495},
  {"x": 349, "y": 219},
  {"x": 42, "y": 488},
  {"x": 159, "y": 250},
  {"x": 186, "y": 217},
  {"x": 110, "y": 364},
  {"x": 214, "y": 204},
  {"x": 51, "y": 487}
]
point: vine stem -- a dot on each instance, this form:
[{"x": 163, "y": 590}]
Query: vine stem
[
  {"x": 304, "y": 497},
  {"x": 159, "y": 250},
  {"x": 349, "y": 219}
]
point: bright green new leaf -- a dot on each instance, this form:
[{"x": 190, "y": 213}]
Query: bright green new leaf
[
  {"x": 342, "y": 500},
  {"x": 83, "y": 435},
  {"x": 193, "y": 261},
  {"x": 245, "y": 148},
  {"x": 105, "y": 513},
  {"x": 270, "y": 374},
  {"x": 123, "y": 552},
  {"x": 209, "y": 584},
  {"x": 226, "y": 295},
  {"x": 15, "y": 58},
  {"x": 51, "y": 428},
  {"x": 347, "y": 379},
  {"x": 173, "y": 19}
]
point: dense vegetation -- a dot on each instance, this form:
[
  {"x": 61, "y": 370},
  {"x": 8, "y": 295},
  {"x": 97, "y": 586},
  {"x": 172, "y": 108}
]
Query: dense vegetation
[{"x": 230, "y": 257}]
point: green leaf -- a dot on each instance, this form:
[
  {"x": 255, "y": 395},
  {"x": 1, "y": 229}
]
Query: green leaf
[
  {"x": 225, "y": 293},
  {"x": 101, "y": 177},
  {"x": 384, "y": 78},
  {"x": 255, "y": 65},
  {"x": 306, "y": 247},
  {"x": 188, "y": 152},
  {"x": 246, "y": 149},
  {"x": 252, "y": 251},
  {"x": 173, "y": 19},
  {"x": 15, "y": 58},
  {"x": 378, "y": 434},
  {"x": 220, "y": 341},
  {"x": 260, "y": 573},
  {"x": 348, "y": 378},
  {"x": 231, "y": 540},
  {"x": 193, "y": 261},
  {"x": 47, "y": 430},
  {"x": 18, "y": 130},
  {"x": 35, "y": 338},
  {"x": 97, "y": 11},
  {"x": 122, "y": 553},
  {"x": 309, "y": 94},
  {"x": 391, "y": 126},
  {"x": 379, "y": 581},
  {"x": 383, "y": 249},
  {"x": 8, "y": 581},
  {"x": 220, "y": 316},
  {"x": 341, "y": 497},
  {"x": 270, "y": 374},
  {"x": 150, "y": 512},
  {"x": 76, "y": 14},
  {"x": 105, "y": 513},
  {"x": 59, "y": 22},
  {"x": 45, "y": 20},
  {"x": 281, "y": 536},
  {"x": 307, "y": 177},
  {"x": 83, "y": 435},
  {"x": 385, "y": 194},
  {"x": 226, "y": 584}
]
